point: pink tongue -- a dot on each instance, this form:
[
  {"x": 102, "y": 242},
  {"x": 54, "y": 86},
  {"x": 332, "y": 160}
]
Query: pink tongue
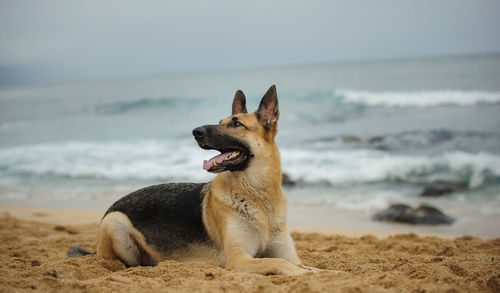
[{"x": 218, "y": 159}]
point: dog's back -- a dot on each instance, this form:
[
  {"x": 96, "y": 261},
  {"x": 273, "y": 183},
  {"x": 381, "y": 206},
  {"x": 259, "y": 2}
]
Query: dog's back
[
  {"x": 175, "y": 210},
  {"x": 155, "y": 223}
]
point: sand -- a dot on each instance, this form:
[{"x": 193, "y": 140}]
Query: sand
[{"x": 34, "y": 242}]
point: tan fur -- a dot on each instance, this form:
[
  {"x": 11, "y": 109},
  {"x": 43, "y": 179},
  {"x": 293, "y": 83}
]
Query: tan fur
[
  {"x": 260, "y": 228},
  {"x": 244, "y": 212},
  {"x": 118, "y": 238}
]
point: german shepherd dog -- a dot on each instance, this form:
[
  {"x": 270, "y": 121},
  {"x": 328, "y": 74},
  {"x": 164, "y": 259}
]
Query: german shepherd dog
[{"x": 237, "y": 220}]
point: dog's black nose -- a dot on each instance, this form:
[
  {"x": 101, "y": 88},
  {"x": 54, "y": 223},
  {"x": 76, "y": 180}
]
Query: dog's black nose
[{"x": 199, "y": 132}]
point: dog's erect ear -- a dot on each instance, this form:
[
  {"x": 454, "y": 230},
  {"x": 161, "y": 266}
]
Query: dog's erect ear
[
  {"x": 268, "y": 112},
  {"x": 239, "y": 103}
]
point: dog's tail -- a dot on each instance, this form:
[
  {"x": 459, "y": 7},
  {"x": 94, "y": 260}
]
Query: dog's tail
[{"x": 77, "y": 251}]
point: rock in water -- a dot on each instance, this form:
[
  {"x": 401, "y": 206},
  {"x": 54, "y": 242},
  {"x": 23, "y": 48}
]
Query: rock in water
[
  {"x": 286, "y": 180},
  {"x": 351, "y": 139},
  {"x": 437, "y": 190},
  {"x": 395, "y": 213},
  {"x": 421, "y": 215},
  {"x": 376, "y": 139}
]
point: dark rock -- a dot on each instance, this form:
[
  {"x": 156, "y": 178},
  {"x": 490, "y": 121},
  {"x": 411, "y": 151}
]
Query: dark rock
[
  {"x": 429, "y": 215},
  {"x": 437, "y": 190},
  {"x": 78, "y": 251},
  {"x": 286, "y": 180},
  {"x": 421, "y": 215},
  {"x": 350, "y": 139},
  {"x": 382, "y": 148},
  {"x": 53, "y": 274},
  {"x": 376, "y": 139},
  {"x": 395, "y": 213}
]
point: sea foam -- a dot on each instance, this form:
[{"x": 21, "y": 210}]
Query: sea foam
[
  {"x": 143, "y": 160},
  {"x": 417, "y": 98},
  {"x": 340, "y": 167},
  {"x": 157, "y": 160}
]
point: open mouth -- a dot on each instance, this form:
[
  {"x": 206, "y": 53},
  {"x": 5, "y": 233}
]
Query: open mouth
[
  {"x": 227, "y": 160},
  {"x": 235, "y": 154}
]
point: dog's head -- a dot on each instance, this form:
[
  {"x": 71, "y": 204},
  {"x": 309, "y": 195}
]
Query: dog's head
[{"x": 242, "y": 137}]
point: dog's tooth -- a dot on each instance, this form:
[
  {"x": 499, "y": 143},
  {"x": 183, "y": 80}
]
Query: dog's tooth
[{"x": 233, "y": 155}]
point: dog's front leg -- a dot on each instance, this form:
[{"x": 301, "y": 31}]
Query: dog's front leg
[
  {"x": 283, "y": 247},
  {"x": 240, "y": 261},
  {"x": 240, "y": 247}
]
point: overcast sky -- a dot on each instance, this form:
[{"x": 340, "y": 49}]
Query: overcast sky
[{"x": 52, "y": 41}]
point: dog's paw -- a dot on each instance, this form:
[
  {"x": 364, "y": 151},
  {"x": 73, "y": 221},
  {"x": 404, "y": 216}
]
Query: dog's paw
[
  {"x": 315, "y": 270},
  {"x": 309, "y": 269},
  {"x": 294, "y": 271}
]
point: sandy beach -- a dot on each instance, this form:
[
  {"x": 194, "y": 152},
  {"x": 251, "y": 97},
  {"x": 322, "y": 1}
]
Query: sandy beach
[
  {"x": 379, "y": 119},
  {"x": 34, "y": 242}
]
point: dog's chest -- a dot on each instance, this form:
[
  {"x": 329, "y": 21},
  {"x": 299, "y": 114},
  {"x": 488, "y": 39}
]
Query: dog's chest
[
  {"x": 245, "y": 208},
  {"x": 256, "y": 213}
]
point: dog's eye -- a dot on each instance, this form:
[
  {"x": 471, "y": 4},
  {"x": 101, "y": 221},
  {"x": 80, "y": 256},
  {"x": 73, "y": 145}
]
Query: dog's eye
[{"x": 235, "y": 124}]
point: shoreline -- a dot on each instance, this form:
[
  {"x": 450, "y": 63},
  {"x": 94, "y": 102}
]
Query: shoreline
[
  {"x": 72, "y": 216},
  {"x": 305, "y": 211}
]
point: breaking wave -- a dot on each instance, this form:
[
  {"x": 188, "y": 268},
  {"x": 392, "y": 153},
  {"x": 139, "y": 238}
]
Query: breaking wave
[
  {"x": 368, "y": 166},
  {"x": 162, "y": 161},
  {"x": 417, "y": 98},
  {"x": 117, "y": 161},
  {"x": 122, "y": 107}
]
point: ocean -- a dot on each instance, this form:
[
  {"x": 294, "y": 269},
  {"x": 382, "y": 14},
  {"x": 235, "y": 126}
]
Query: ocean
[{"x": 354, "y": 137}]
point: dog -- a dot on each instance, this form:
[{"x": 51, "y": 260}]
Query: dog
[{"x": 237, "y": 220}]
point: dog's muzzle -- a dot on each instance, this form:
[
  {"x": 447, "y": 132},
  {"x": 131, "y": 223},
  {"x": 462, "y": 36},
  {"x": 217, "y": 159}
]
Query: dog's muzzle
[
  {"x": 199, "y": 132},
  {"x": 234, "y": 153}
]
